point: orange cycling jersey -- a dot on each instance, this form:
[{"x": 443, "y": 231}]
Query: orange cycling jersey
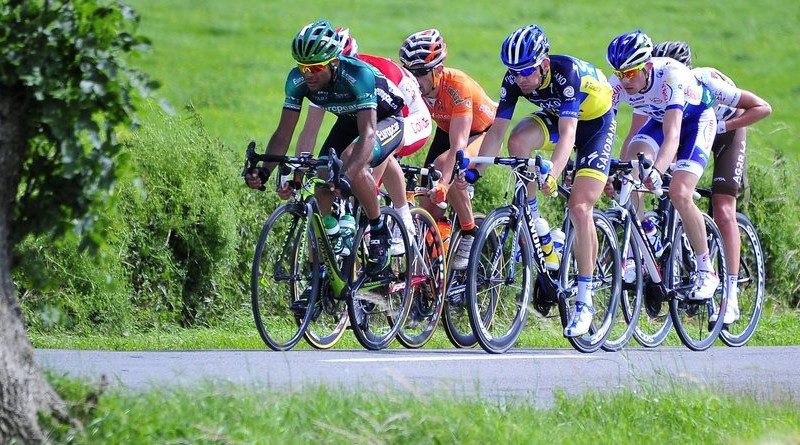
[{"x": 460, "y": 95}]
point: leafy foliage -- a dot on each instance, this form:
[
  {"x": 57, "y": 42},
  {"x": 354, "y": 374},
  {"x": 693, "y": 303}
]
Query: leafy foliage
[{"x": 67, "y": 59}]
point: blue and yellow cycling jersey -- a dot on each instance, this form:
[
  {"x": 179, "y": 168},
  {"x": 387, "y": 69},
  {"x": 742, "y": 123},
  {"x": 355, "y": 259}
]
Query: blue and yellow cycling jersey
[
  {"x": 355, "y": 86},
  {"x": 571, "y": 88}
]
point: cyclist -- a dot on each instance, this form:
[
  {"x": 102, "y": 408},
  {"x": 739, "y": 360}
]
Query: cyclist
[
  {"x": 671, "y": 117},
  {"x": 462, "y": 112},
  {"x": 575, "y": 102},
  {"x": 416, "y": 122},
  {"x": 735, "y": 109},
  {"x": 368, "y": 129}
]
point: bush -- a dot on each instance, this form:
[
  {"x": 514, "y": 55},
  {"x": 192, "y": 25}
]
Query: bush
[
  {"x": 774, "y": 208},
  {"x": 183, "y": 230}
]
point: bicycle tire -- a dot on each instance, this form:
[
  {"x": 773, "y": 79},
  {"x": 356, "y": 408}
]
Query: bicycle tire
[
  {"x": 751, "y": 282},
  {"x": 378, "y": 305},
  {"x": 497, "y": 318},
  {"x": 428, "y": 282},
  {"x": 606, "y": 284},
  {"x": 691, "y": 318},
  {"x": 279, "y": 327},
  {"x": 630, "y": 301}
]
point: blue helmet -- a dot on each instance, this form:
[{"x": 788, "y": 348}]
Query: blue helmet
[
  {"x": 524, "y": 48},
  {"x": 630, "y": 49}
]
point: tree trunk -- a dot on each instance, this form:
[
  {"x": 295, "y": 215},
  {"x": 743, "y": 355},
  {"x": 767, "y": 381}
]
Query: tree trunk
[{"x": 24, "y": 392}]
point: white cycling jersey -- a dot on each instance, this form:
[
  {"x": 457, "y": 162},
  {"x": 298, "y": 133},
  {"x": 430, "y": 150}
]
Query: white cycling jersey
[
  {"x": 671, "y": 85},
  {"x": 726, "y": 94}
]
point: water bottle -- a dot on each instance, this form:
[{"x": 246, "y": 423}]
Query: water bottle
[
  {"x": 543, "y": 230},
  {"x": 558, "y": 237},
  {"x": 332, "y": 229},
  {"x": 651, "y": 231},
  {"x": 347, "y": 225}
]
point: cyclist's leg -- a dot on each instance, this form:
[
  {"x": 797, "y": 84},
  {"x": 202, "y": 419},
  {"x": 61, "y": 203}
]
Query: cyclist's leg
[
  {"x": 537, "y": 131},
  {"x": 729, "y": 165},
  {"x": 648, "y": 141},
  {"x": 339, "y": 138},
  {"x": 693, "y": 153},
  {"x": 440, "y": 144}
]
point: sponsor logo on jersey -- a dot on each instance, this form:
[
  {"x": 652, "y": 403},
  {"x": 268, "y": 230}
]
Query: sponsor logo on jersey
[
  {"x": 502, "y": 92},
  {"x": 387, "y": 132},
  {"x": 569, "y": 91},
  {"x": 560, "y": 77}
]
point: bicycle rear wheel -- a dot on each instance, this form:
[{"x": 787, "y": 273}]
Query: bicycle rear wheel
[
  {"x": 499, "y": 286},
  {"x": 284, "y": 278},
  {"x": 606, "y": 283},
  {"x": 691, "y": 317},
  {"x": 750, "y": 295},
  {"x": 378, "y": 304},
  {"x": 630, "y": 302},
  {"x": 427, "y": 282}
]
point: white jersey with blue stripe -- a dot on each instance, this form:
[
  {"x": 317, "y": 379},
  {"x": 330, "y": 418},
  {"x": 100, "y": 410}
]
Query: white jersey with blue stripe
[
  {"x": 671, "y": 85},
  {"x": 726, "y": 95}
]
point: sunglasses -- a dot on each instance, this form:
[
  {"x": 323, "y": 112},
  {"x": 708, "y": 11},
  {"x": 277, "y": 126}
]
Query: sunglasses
[
  {"x": 419, "y": 72},
  {"x": 525, "y": 72},
  {"x": 629, "y": 73},
  {"x": 313, "y": 68}
]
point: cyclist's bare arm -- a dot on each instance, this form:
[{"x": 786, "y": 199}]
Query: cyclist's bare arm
[
  {"x": 493, "y": 141},
  {"x": 307, "y": 139},
  {"x": 755, "y": 109},
  {"x": 637, "y": 122},
  {"x": 672, "y": 132},
  {"x": 566, "y": 140},
  {"x": 278, "y": 144},
  {"x": 459, "y": 138}
]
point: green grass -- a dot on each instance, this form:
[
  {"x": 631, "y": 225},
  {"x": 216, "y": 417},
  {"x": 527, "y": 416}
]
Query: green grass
[
  {"x": 230, "y": 59},
  {"x": 775, "y": 329},
  {"x": 216, "y": 413}
]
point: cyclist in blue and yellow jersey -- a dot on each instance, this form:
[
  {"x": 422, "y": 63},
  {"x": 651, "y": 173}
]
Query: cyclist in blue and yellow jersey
[
  {"x": 672, "y": 118},
  {"x": 368, "y": 129},
  {"x": 575, "y": 102},
  {"x": 736, "y": 109}
]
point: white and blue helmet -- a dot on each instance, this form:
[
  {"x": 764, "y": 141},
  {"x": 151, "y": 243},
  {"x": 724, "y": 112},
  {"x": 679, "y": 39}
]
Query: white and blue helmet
[
  {"x": 630, "y": 49},
  {"x": 526, "y": 47}
]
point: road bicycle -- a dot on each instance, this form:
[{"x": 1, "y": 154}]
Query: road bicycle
[
  {"x": 301, "y": 287},
  {"x": 666, "y": 281},
  {"x": 507, "y": 271}
]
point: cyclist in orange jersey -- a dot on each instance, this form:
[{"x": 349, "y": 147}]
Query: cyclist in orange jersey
[{"x": 463, "y": 112}]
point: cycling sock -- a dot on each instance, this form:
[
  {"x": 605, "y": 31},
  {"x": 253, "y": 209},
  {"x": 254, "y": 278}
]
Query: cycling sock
[
  {"x": 473, "y": 232},
  {"x": 584, "y": 290},
  {"x": 704, "y": 263},
  {"x": 405, "y": 216},
  {"x": 533, "y": 203},
  {"x": 467, "y": 227},
  {"x": 376, "y": 225},
  {"x": 733, "y": 286}
]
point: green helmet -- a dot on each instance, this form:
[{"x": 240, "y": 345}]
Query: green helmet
[{"x": 316, "y": 43}]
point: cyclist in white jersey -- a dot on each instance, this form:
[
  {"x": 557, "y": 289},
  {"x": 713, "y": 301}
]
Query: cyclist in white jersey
[
  {"x": 672, "y": 119},
  {"x": 735, "y": 109}
]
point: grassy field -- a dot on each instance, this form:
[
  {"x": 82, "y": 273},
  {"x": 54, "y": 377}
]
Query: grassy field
[
  {"x": 229, "y": 60},
  {"x": 226, "y": 414}
]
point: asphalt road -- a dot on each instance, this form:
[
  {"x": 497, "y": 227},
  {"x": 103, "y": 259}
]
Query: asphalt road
[{"x": 768, "y": 373}]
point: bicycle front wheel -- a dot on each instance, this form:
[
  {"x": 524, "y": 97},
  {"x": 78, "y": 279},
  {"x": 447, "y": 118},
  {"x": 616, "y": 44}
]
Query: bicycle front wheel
[
  {"x": 427, "y": 281},
  {"x": 692, "y": 317},
  {"x": 630, "y": 302},
  {"x": 379, "y": 302},
  {"x": 284, "y": 278},
  {"x": 499, "y": 282},
  {"x": 606, "y": 283},
  {"x": 750, "y": 294}
]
